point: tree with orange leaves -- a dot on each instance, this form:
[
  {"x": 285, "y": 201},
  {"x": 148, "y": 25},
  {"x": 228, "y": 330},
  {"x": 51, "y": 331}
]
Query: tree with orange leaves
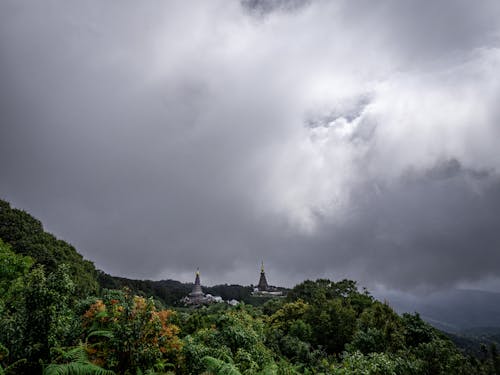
[{"x": 127, "y": 333}]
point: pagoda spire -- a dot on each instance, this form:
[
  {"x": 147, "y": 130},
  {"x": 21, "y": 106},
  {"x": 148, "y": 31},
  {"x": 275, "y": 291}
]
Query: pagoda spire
[
  {"x": 262, "y": 286},
  {"x": 196, "y": 292}
]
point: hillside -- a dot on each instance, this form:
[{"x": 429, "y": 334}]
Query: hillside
[{"x": 26, "y": 236}]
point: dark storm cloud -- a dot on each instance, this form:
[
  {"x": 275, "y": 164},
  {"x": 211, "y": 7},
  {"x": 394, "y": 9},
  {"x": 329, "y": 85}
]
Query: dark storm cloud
[
  {"x": 334, "y": 139},
  {"x": 263, "y": 7}
]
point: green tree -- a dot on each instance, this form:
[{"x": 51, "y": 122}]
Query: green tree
[
  {"x": 379, "y": 329},
  {"x": 12, "y": 268},
  {"x": 333, "y": 324},
  {"x": 38, "y": 317},
  {"x": 441, "y": 357},
  {"x": 236, "y": 337},
  {"x": 416, "y": 331},
  {"x": 321, "y": 290}
]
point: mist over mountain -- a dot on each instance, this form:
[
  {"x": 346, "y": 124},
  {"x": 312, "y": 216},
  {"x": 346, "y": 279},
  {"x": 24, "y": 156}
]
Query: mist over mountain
[{"x": 454, "y": 311}]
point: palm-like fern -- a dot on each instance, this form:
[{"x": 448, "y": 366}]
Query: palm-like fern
[
  {"x": 219, "y": 367},
  {"x": 12, "y": 368},
  {"x": 77, "y": 363},
  {"x": 100, "y": 333}
]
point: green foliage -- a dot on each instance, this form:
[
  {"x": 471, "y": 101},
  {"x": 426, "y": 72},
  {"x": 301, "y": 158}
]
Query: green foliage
[
  {"x": 416, "y": 331},
  {"x": 321, "y": 290},
  {"x": 273, "y": 305},
  {"x": 218, "y": 367},
  {"x": 334, "y": 308},
  {"x": 169, "y": 292},
  {"x": 128, "y": 334},
  {"x": 376, "y": 364},
  {"x": 197, "y": 347},
  {"x": 38, "y": 316},
  {"x": 370, "y": 340},
  {"x": 290, "y": 333},
  {"x": 12, "y": 267},
  {"x": 379, "y": 329},
  {"x": 235, "y": 337},
  {"x": 75, "y": 362},
  {"x": 441, "y": 357},
  {"x": 333, "y": 324},
  {"x": 26, "y": 236},
  {"x": 12, "y": 368}
]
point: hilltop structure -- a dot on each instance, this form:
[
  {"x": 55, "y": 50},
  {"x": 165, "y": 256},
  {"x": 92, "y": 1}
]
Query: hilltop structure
[
  {"x": 197, "y": 297},
  {"x": 263, "y": 289},
  {"x": 197, "y": 293},
  {"x": 262, "y": 286}
]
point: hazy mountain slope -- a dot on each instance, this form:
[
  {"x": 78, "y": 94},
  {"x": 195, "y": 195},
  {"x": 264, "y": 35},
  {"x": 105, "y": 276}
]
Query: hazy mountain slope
[{"x": 452, "y": 311}]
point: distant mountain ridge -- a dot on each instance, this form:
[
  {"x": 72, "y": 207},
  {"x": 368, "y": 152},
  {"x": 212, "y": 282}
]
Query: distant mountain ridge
[
  {"x": 454, "y": 311},
  {"x": 470, "y": 318},
  {"x": 171, "y": 292}
]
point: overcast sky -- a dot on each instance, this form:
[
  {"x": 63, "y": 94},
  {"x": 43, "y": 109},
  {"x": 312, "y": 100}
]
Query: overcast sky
[{"x": 334, "y": 139}]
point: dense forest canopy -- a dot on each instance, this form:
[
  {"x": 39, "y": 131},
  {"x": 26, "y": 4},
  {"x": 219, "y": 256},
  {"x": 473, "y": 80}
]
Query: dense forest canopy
[{"x": 59, "y": 315}]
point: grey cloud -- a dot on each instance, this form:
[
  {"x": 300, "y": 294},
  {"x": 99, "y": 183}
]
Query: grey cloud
[
  {"x": 260, "y": 7},
  {"x": 333, "y": 139},
  {"x": 428, "y": 30}
]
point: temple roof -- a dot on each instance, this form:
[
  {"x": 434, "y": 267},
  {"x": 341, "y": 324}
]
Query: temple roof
[
  {"x": 262, "y": 286},
  {"x": 196, "y": 292}
]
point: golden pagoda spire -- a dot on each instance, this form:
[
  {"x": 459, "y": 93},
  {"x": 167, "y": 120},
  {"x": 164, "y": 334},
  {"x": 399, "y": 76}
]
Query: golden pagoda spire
[
  {"x": 197, "y": 285},
  {"x": 262, "y": 267}
]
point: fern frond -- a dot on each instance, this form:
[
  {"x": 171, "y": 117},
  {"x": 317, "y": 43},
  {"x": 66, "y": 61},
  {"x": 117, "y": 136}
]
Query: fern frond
[
  {"x": 271, "y": 369},
  {"x": 218, "y": 367},
  {"x": 77, "y": 354},
  {"x": 76, "y": 368},
  {"x": 79, "y": 364},
  {"x": 100, "y": 333},
  {"x": 11, "y": 369}
]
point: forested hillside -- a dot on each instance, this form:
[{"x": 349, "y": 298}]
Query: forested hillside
[
  {"x": 55, "y": 320},
  {"x": 26, "y": 236},
  {"x": 171, "y": 292}
]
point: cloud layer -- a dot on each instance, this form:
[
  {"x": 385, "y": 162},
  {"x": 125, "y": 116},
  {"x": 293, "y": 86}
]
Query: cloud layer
[{"x": 333, "y": 139}]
